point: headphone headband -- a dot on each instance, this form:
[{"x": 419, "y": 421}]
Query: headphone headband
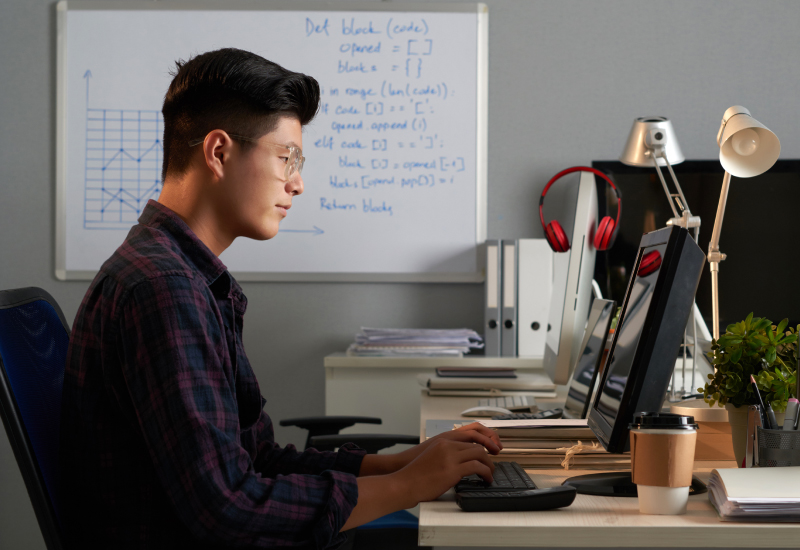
[{"x": 594, "y": 171}]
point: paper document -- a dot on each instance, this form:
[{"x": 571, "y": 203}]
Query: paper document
[{"x": 756, "y": 494}]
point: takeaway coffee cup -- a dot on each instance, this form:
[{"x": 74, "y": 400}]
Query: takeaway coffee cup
[{"x": 662, "y": 458}]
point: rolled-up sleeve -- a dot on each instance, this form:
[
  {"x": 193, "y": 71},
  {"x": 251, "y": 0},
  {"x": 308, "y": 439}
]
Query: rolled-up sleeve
[{"x": 172, "y": 352}]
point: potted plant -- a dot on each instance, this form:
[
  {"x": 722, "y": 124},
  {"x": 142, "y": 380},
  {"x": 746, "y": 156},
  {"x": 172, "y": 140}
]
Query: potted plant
[{"x": 752, "y": 347}]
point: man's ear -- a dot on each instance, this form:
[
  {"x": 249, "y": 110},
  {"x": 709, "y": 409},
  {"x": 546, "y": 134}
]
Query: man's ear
[{"x": 217, "y": 151}]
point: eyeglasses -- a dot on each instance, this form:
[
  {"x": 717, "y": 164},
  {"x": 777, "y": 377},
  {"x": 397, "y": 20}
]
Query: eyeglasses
[{"x": 294, "y": 162}]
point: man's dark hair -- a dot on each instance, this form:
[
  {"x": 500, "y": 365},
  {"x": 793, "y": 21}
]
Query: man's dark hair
[{"x": 232, "y": 90}]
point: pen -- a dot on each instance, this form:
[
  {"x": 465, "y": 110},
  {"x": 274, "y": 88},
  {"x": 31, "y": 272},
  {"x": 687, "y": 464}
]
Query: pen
[
  {"x": 773, "y": 423},
  {"x": 765, "y": 418},
  {"x": 791, "y": 414}
]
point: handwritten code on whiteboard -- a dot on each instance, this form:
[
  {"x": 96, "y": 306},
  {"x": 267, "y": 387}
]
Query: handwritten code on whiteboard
[{"x": 394, "y": 179}]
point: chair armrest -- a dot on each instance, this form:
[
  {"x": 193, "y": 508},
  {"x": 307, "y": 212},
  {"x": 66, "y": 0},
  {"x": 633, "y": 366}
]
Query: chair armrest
[
  {"x": 372, "y": 443},
  {"x": 327, "y": 425},
  {"x": 324, "y": 425}
]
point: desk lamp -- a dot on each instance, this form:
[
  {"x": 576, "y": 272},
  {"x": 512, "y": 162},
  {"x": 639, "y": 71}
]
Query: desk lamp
[
  {"x": 747, "y": 148},
  {"x": 652, "y": 142}
]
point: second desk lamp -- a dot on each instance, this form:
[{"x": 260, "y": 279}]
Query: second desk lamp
[{"x": 747, "y": 148}]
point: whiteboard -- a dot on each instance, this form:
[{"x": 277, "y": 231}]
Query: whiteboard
[{"x": 395, "y": 176}]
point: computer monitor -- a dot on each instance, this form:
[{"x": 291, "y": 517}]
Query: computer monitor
[
  {"x": 572, "y": 287},
  {"x": 646, "y": 341},
  {"x": 584, "y": 376},
  {"x": 760, "y": 213}
]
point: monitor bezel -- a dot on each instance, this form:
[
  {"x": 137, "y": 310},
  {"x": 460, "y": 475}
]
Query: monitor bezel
[{"x": 673, "y": 291}]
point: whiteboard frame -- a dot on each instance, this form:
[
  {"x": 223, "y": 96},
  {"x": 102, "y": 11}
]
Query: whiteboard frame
[{"x": 482, "y": 123}]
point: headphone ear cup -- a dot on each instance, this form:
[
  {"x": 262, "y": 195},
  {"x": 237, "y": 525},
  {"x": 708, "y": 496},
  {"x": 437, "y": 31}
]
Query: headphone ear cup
[
  {"x": 556, "y": 237},
  {"x": 605, "y": 230}
]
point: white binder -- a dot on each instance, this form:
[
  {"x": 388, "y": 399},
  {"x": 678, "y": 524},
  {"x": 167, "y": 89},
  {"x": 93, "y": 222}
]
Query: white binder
[
  {"x": 534, "y": 287},
  {"x": 509, "y": 309},
  {"x": 492, "y": 332}
]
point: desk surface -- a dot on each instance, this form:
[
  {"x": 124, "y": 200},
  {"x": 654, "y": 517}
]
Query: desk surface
[
  {"x": 597, "y": 522},
  {"x": 591, "y": 521}
]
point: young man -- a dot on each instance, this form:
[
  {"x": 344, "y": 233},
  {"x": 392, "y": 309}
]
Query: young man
[{"x": 164, "y": 443}]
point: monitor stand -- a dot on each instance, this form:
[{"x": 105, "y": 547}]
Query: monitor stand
[{"x": 617, "y": 484}]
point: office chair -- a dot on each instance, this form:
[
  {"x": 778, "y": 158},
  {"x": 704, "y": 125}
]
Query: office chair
[
  {"x": 34, "y": 337},
  {"x": 396, "y": 531}
]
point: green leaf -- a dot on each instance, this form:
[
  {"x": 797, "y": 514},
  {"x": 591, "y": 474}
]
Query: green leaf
[
  {"x": 747, "y": 320},
  {"x": 769, "y": 355},
  {"x": 761, "y": 324},
  {"x": 782, "y": 325},
  {"x": 736, "y": 355}
]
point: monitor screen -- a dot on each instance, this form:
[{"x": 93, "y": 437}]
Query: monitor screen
[
  {"x": 630, "y": 332},
  {"x": 650, "y": 328},
  {"x": 761, "y": 212},
  {"x": 584, "y": 376}
]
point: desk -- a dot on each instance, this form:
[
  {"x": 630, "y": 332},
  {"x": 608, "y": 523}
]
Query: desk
[
  {"x": 591, "y": 521},
  {"x": 387, "y": 387}
]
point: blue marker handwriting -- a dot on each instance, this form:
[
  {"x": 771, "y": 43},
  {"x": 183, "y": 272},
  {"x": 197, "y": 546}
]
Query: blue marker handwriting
[
  {"x": 369, "y": 208},
  {"x": 313, "y": 28},
  {"x": 349, "y": 28},
  {"x": 325, "y": 204},
  {"x": 353, "y": 48}
]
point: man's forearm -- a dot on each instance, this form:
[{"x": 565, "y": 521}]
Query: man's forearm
[
  {"x": 376, "y": 465},
  {"x": 378, "y": 495}
]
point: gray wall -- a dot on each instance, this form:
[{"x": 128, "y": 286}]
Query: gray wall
[{"x": 567, "y": 77}]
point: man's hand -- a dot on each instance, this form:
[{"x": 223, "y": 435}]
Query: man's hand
[
  {"x": 441, "y": 464},
  {"x": 471, "y": 433}
]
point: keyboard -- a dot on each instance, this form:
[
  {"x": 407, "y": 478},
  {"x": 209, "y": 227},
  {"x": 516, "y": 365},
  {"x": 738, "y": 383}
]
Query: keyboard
[
  {"x": 541, "y": 415},
  {"x": 511, "y": 491},
  {"x": 508, "y": 476},
  {"x": 510, "y": 402}
]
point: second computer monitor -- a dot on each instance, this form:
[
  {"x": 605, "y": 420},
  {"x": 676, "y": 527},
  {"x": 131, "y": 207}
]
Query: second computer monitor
[
  {"x": 572, "y": 287},
  {"x": 648, "y": 336}
]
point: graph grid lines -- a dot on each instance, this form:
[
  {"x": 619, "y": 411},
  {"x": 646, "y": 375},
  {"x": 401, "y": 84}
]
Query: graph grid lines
[{"x": 123, "y": 165}]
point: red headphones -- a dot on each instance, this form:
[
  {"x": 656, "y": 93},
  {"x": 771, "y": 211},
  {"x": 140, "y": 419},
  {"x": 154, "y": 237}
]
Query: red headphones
[{"x": 606, "y": 229}]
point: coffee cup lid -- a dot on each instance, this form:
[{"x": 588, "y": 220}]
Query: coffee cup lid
[{"x": 662, "y": 421}]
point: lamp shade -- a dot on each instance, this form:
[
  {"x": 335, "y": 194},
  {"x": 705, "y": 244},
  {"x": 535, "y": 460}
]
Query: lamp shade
[
  {"x": 648, "y": 135},
  {"x": 747, "y": 148}
]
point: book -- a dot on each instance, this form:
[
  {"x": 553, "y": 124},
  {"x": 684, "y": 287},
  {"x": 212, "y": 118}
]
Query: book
[
  {"x": 523, "y": 382},
  {"x": 541, "y": 429},
  {"x": 475, "y": 372}
]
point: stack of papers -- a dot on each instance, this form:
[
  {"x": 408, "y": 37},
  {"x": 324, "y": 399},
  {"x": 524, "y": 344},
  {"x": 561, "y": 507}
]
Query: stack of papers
[
  {"x": 388, "y": 342},
  {"x": 756, "y": 494},
  {"x": 554, "y": 443}
]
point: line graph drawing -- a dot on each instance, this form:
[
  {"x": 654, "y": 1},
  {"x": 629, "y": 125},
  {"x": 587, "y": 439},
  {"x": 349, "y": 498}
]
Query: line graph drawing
[{"x": 123, "y": 164}]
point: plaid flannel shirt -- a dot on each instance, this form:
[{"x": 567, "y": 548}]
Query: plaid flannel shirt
[{"x": 164, "y": 443}]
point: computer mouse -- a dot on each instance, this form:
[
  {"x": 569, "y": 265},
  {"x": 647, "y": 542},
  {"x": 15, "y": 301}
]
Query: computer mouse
[{"x": 485, "y": 411}]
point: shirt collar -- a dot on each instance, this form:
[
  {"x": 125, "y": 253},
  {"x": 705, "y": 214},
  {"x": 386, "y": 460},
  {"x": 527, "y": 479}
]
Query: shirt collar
[{"x": 157, "y": 216}]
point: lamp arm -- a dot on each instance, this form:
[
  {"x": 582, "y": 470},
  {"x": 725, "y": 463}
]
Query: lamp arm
[
  {"x": 714, "y": 255},
  {"x": 677, "y": 185},
  {"x": 664, "y": 183}
]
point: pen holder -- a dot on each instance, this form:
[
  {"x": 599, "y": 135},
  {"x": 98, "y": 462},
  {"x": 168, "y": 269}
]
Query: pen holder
[{"x": 777, "y": 447}]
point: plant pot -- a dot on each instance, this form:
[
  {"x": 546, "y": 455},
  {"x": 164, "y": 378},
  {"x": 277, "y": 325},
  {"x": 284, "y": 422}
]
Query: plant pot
[{"x": 737, "y": 417}]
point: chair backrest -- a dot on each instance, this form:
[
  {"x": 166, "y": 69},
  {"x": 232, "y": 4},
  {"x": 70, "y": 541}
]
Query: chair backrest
[{"x": 34, "y": 337}]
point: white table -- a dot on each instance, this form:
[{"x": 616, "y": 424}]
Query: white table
[{"x": 387, "y": 387}]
